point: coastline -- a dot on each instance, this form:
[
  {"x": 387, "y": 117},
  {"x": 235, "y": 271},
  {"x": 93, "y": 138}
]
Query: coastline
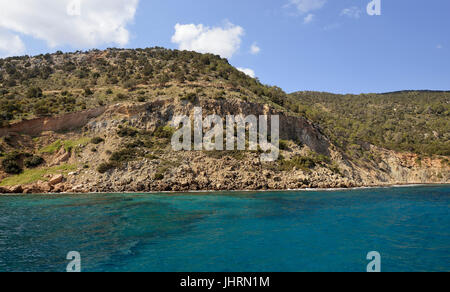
[{"x": 239, "y": 191}]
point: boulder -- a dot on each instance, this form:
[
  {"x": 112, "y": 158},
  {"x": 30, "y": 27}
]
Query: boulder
[
  {"x": 4, "y": 190},
  {"x": 60, "y": 188},
  {"x": 56, "y": 180},
  {"x": 14, "y": 189},
  {"x": 43, "y": 187}
]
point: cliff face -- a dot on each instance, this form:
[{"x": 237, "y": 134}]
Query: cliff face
[
  {"x": 150, "y": 115},
  {"x": 142, "y": 160},
  {"x": 37, "y": 126}
]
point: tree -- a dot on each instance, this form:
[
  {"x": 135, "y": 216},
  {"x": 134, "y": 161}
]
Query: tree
[
  {"x": 163, "y": 79},
  {"x": 34, "y": 92}
]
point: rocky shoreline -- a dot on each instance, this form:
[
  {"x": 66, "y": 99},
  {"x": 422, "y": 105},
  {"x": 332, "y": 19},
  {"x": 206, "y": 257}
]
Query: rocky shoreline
[
  {"x": 60, "y": 189},
  {"x": 60, "y": 184}
]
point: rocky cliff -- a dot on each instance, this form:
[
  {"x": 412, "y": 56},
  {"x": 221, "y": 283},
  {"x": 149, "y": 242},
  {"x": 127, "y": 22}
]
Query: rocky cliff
[{"x": 126, "y": 148}]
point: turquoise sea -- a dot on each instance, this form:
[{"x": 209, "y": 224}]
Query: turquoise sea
[{"x": 242, "y": 232}]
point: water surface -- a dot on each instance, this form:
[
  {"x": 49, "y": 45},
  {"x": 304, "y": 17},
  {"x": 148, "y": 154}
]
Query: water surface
[{"x": 274, "y": 231}]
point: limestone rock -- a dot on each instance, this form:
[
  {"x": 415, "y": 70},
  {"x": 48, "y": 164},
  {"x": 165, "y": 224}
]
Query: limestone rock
[{"x": 56, "y": 179}]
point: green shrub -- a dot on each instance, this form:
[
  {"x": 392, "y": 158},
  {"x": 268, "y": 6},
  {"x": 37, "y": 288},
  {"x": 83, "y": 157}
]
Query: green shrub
[
  {"x": 191, "y": 97},
  {"x": 88, "y": 92},
  {"x": 127, "y": 132},
  {"x": 159, "y": 176},
  {"x": 106, "y": 166},
  {"x": 134, "y": 144},
  {"x": 97, "y": 140},
  {"x": 11, "y": 164},
  {"x": 220, "y": 95},
  {"x": 299, "y": 162},
  {"x": 34, "y": 92},
  {"x": 33, "y": 162},
  {"x": 121, "y": 96},
  {"x": 335, "y": 168},
  {"x": 284, "y": 145},
  {"x": 41, "y": 110},
  {"x": 123, "y": 155},
  {"x": 164, "y": 132}
]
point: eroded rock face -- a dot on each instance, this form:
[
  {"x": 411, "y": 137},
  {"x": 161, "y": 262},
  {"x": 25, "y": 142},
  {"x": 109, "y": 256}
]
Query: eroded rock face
[
  {"x": 196, "y": 170},
  {"x": 148, "y": 116},
  {"x": 66, "y": 122}
]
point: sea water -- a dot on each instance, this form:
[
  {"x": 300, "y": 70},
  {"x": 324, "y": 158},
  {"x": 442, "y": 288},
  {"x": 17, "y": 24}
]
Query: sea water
[{"x": 220, "y": 232}]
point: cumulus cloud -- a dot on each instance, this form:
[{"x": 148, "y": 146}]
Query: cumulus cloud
[
  {"x": 224, "y": 41},
  {"x": 248, "y": 71},
  {"x": 306, "y": 6},
  {"x": 10, "y": 44},
  {"x": 352, "y": 12},
  {"x": 77, "y": 23},
  {"x": 255, "y": 49},
  {"x": 309, "y": 18}
]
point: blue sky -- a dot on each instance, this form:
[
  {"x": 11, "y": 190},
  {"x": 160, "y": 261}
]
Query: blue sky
[{"x": 321, "y": 45}]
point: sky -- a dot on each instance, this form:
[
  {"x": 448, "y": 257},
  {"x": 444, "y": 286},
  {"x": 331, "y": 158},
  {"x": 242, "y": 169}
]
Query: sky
[{"x": 318, "y": 45}]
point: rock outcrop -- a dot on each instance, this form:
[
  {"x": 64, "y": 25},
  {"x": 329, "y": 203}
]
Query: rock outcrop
[{"x": 161, "y": 169}]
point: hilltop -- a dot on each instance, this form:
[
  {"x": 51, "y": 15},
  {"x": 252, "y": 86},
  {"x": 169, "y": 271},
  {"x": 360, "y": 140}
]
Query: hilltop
[{"x": 99, "y": 121}]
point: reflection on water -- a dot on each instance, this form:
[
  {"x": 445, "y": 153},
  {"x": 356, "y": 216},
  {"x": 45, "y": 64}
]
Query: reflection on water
[{"x": 287, "y": 231}]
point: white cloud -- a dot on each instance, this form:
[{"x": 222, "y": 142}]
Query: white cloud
[
  {"x": 305, "y": 6},
  {"x": 309, "y": 18},
  {"x": 255, "y": 49},
  {"x": 352, "y": 12},
  {"x": 248, "y": 71},
  {"x": 224, "y": 41},
  {"x": 77, "y": 23},
  {"x": 10, "y": 44},
  {"x": 439, "y": 47}
]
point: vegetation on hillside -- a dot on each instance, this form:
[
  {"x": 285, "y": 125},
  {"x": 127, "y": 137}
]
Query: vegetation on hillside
[
  {"x": 52, "y": 84},
  {"x": 58, "y": 83},
  {"x": 413, "y": 121}
]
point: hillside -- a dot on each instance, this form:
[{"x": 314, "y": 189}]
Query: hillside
[
  {"x": 415, "y": 121},
  {"x": 99, "y": 121},
  {"x": 48, "y": 85}
]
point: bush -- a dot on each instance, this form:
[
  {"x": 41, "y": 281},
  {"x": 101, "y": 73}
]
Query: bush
[
  {"x": 97, "y": 140},
  {"x": 159, "y": 176},
  {"x": 123, "y": 155},
  {"x": 163, "y": 132},
  {"x": 191, "y": 97},
  {"x": 11, "y": 164},
  {"x": 284, "y": 145},
  {"x": 41, "y": 110},
  {"x": 88, "y": 92},
  {"x": 127, "y": 132},
  {"x": 220, "y": 95},
  {"x": 121, "y": 96},
  {"x": 34, "y": 92},
  {"x": 107, "y": 166},
  {"x": 299, "y": 162},
  {"x": 33, "y": 162}
]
